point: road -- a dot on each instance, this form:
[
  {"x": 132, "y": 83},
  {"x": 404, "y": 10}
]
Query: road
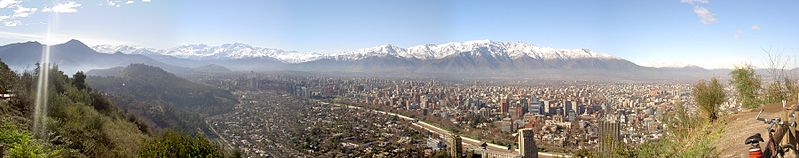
[{"x": 466, "y": 141}]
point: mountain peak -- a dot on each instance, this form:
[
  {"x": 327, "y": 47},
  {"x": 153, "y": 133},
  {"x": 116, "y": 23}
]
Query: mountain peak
[
  {"x": 387, "y": 46},
  {"x": 74, "y": 44},
  {"x": 236, "y": 45},
  {"x": 31, "y": 42},
  {"x": 483, "y": 41},
  {"x": 73, "y": 41}
]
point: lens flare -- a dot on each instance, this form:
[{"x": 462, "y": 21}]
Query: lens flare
[{"x": 42, "y": 85}]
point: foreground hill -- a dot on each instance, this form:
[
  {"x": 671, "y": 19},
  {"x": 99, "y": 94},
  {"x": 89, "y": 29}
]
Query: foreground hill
[
  {"x": 162, "y": 98},
  {"x": 81, "y": 122}
]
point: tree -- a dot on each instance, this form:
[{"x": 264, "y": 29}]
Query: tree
[
  {"x": 708, "y": 96},
  {"x": 774, "y": 93},
  {"x": 7, "y": 77},
  {"x": 79, "y": 80},
  {"x": 174, "y": 144},
  {"x": 747, "y": 85},
  {"x": 782, "y": 86}
]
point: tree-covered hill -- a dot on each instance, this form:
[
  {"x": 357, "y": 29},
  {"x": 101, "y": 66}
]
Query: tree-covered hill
[{"x": 162, "y": 98}]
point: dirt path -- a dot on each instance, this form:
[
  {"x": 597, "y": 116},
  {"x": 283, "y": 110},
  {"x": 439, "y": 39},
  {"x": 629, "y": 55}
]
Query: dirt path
[{"x": 740, "y": 126}]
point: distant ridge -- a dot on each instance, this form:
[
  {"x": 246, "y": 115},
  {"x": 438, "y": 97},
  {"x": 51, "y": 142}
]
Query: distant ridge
[{"x": 73, "y": 56}]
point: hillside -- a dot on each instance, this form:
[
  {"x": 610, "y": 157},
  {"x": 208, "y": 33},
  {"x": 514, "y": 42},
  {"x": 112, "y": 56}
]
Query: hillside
[
  {"x": 81, "y": 122},
  {"x": 740, "y": 126},
  {"x": 162, "y": 98}
]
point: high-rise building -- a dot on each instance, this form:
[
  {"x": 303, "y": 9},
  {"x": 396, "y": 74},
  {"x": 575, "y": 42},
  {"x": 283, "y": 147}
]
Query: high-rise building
[
  {"x": 424, "y": 102},
  {"x": 503, "y": 105},
  {"x": 527, "y": 147},
  {"x": 519, "y": 112},
  {"x": 454, "y": 144},
  {"x": 609, "y": 136},
  {"x": 535, "y": 106},
  {"x": 567, "y": 107},
  {"x": 546, "y": 108},
  {"x": 525, "y": 106}
]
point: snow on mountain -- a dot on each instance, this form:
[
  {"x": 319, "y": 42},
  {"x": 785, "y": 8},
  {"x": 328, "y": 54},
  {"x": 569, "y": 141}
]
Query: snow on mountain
[
  {"x": 205, "y": 52},
  {"x": 116, "y": 48},
  {"x": 495, "y": 49},
  {"x": 477, "y": 47}
]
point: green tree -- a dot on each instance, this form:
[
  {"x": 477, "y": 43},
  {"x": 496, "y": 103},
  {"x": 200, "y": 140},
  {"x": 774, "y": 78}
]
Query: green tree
[
  {"x": 747, "y": 85},
  {"x": 708, "y": 96},
  {"x": 79, "y": 80},
  {"x": 778, "y": 91},
  {"x": 174, "y": 144},
  {"x": 7, "y": 77}
]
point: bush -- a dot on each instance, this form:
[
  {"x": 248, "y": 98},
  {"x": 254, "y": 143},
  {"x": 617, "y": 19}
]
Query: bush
[
  {"x": 747, "y": 86},
  {"x": 174, "y": 144},
  {"x": 708, "y": 97},
  {"x": 23, "y": 145}
]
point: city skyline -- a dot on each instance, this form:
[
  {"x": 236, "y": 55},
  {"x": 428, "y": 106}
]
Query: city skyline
[{"x": 660, "y": 33}]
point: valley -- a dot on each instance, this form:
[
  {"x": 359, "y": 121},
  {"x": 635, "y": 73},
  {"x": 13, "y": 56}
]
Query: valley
[{"x": 269, "y": 123}]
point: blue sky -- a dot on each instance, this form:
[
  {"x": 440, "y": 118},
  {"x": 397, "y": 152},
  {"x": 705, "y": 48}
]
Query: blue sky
[{"x": 708, "y": 33}]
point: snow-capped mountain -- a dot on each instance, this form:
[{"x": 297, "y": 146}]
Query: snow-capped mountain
[
  {"x": 458, "y": 59},
  {"x": 205, "y": 52},
  {"x": 511, "y": 50},
  {"x": 110, "y": 49},
  {"x": 495, "y": 49}
]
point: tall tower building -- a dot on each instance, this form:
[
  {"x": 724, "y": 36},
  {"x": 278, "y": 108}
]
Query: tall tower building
[
  {"x": 527, "y": 147},
  {"x": 546, "y": 108},
  {"x": 455, "y": 147},
  {"x": 609, "y": 136},
  {"x": 503, "y": 105}
]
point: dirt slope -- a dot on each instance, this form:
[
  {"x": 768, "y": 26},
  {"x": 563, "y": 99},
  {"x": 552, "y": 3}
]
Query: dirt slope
[{"x": 741, "y": 125}]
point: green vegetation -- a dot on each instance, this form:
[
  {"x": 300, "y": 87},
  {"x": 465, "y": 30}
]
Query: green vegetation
[
  {"x": 747, "y": 86},
  {"x": 80, "y": 122},
  {"x": 685, "y": 136},
  {"x": 22, "y": 144},
  {"x": 778, "y": 91},
  {"x": 173, "y": 144},
  {"x": 708, "y": 96},
  {"x": 163, "y": 99}
]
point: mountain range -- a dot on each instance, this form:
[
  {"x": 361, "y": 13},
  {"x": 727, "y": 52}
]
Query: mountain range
[
  {"x": 72, "y": 56},
  {"x": 422, "y": 52},
  {"x": 479, "y": 58}
]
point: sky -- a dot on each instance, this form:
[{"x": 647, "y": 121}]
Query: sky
[{"x": 707, "y": 33}]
